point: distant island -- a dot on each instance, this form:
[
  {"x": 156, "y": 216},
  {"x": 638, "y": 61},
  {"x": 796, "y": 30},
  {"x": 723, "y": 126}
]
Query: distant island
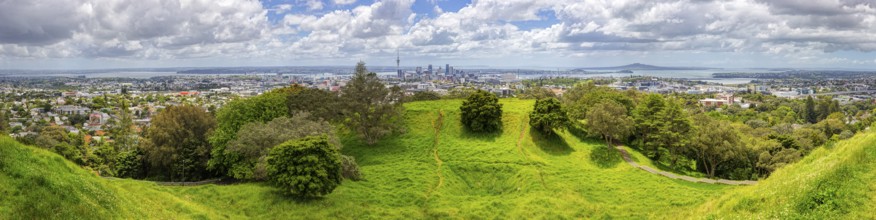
[{"x": 639, "y": 66}]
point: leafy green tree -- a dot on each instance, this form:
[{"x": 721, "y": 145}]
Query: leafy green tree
[
  {"x": 547, "y": 115},
  {"x": 321, "y": 104},
  {"x": 56, "y": 139},
  {"x": 51, "y": 136},
  {"x": 178, "y": 149},
  {"x": 481, "y": 112},
  {"x": 129, "y": 164},
  {"x": 231, "y": 117},
  {"x": 4, "y": 121},
  {"x": 122, "y": 132},
  {"x": 584, "y": 96},
  {"x": 609, "y": 120},
  {"x": 647, "y": 123},
  {"x": 424, "y": 96},
  {"x": 715, "y": 143},
  {"x": 809, "y": 113},
  {"x": 308, "y": 167},
  {"x": 256, "y": 139},
  {"x": 372, "y": 110},
  {"x": 674, "y": 127},
  {"x": 537, "y": 93}
]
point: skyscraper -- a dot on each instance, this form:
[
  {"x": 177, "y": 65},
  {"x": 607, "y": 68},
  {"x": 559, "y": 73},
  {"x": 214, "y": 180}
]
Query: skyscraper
[{"x": 446, "y": 69}]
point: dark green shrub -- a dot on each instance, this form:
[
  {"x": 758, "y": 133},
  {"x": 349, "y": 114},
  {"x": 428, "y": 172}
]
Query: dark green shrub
[{"x": 308, "y": 167}]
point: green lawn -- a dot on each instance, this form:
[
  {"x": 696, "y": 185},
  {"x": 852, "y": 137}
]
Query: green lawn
[{"x": 515, "y": 173}]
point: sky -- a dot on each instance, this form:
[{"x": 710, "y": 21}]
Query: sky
[{"x": 96, "y": 34}]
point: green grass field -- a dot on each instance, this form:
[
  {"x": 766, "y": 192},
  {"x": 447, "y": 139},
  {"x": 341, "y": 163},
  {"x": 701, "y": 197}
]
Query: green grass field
[{"x": 437, "y": 170}]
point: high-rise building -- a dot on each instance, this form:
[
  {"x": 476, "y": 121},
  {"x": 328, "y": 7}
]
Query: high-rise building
[
  {"x": 446, "y": 69},
  {"x": 430, "y": 68},
  {"x": 419, "y": 70}
]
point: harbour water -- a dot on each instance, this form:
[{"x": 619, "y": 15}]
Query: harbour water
[{"x": 702, "y": 75}]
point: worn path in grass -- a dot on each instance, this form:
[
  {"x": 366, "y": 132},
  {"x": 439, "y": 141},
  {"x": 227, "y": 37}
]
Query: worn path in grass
[
  {"x": 437, "y": 124},
  {"x": 523, "y": 126},
  {"x": 627, "y": 158}
]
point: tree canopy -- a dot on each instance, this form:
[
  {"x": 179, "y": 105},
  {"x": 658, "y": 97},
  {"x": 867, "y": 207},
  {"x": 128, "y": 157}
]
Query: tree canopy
[
  {"x": 178, "y": 149},
  {"x": 371, "y": 110},
  {"x": 481, "y": 112},
  {"x": 255, "y": 140},
  {"x": 547, "y": 115},
  {"x": 308, "y": 167},
  {"x": 238, "y": 112},
  {"x": 609, "y": 119}
]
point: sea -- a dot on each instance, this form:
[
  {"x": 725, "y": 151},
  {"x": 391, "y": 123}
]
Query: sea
[{"x": 701, "y": 75}]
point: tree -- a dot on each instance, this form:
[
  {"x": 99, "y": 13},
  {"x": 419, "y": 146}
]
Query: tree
[
  {"x": 319, "y": 103},
  {"x": 51, "y": 136},
  {"x": 716, "y": 142},
  {"x": 481, "y": 112},
  {"x": 308, "y": 167},
  {"x": 56, "y": 139},
  {"x": 547, "y": 115},
  {"x": 4, "y": 121},
  {"x": 372, "y": 110},
  {"x": 130, "y": 164},
  {"x": 238, "y": 112},
  {"x": 647, "y": 122},
  {"x": 537, "y": 93},
  {"x": 123, "y": 132},
  {"x": 178, "y": 149},
  {"x": 584, "y": 96},
  {"x": 256, "y": 139},
  {"x": 809, "y": 113},
  {"x": 609, "y": 120},
  {"x": 424, "y": 96},
  {"x": 673, "y": 129}
]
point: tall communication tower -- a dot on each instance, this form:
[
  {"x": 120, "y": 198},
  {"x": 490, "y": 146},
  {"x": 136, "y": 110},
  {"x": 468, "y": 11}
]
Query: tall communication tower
[{"x": 401, "y": 75}]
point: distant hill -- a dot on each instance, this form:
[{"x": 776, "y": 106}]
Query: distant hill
[{"x": 639, "y": 66}]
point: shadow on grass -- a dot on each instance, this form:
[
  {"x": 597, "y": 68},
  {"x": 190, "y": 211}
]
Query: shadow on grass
[
  {"x": 605, "y": 157},
  {"x": 281, "y": 196},
  {"x": 484, "y": 136},
  {"x": 551, "y": 143}
]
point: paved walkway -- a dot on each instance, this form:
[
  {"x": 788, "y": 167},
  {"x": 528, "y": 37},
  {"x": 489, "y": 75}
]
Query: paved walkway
[{"x": 626, "y": 156}]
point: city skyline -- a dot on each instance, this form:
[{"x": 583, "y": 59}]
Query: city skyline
[{"x": 551, "y": 34}]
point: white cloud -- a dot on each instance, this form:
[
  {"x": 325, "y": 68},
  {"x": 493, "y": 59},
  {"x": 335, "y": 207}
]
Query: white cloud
[
  {"x": 282, "y": 8},
  {"x": 168, "y": 29},
  {"x": 343, "y": 2},
  {"x": 313, "y": 5}
]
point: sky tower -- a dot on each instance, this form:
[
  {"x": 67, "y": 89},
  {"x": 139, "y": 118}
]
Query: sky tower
[{"x": 401, "y": 75}]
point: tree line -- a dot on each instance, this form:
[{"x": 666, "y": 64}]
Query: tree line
[{"x": 286, "y": 136}]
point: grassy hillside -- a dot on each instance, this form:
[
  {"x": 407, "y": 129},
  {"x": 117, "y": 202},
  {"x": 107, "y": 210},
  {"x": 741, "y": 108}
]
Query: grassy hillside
[
  {"x": 434, "y": 170},
  {"x": 461, "y": 175},
  {"x": 835, "y": 183},
  {"x": 38, "y": 184}
]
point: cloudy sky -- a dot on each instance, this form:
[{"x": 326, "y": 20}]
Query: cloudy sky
[{"x": 65, "y": 34}]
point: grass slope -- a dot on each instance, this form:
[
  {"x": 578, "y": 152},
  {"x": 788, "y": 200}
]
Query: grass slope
[
  {"x": 434, "y": 170},
  {"x": 38, "y": 184},
  {"x": 480, "y": 176},
  {"x": 835, "y": 183}
]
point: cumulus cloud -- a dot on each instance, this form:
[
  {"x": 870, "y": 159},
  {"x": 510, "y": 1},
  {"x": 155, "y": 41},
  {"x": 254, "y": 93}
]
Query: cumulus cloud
[
  {"x": 167, "y": 29},
  {"x": 344, "y": 2},
  {"x": 313, "y": 5}
]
